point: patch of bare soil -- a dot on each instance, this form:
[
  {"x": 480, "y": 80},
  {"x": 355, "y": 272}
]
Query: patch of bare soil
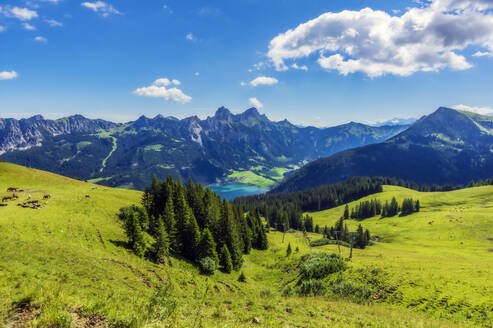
[
  {"x": 79, "y": 320},
  {"x": 21, "y": 315}
]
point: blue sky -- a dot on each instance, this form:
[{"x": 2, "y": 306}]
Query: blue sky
[{"x": 313, "y": 62}]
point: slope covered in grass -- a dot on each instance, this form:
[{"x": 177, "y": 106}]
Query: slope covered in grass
[
  {"x": 442, "y": 256},
  {"x": 66, "y": 265}
]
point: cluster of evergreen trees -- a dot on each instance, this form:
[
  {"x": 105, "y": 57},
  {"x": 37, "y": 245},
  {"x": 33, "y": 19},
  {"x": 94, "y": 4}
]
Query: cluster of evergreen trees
[
  {"x": 333, "y": 195},
  {"x": 340, "y": 232},
  {"x": 193, "y": 222},
  {"x": 370, "y": 208}
]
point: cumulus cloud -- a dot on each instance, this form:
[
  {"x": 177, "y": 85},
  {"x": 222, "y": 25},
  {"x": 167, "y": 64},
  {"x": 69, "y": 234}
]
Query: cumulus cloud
[
  {"x": 478, "y": 110},
  {"x": 425, "y": 38},
  {"x": 2, "y": 28},
  {"x": 29, "y": 27},
  {"x": 54, "y": 23},
  {"x": 158, "y": 90},
  {"x": 41, "y": 39},
  {"x": 101, "y": 7},
  {"x": 263, "y": 80},
  {"x": 5, "y": 75},
  {"x": 196, "y": 73},
  {"x": 23, "y": 14},
  {"x": 255, "y": 103}
]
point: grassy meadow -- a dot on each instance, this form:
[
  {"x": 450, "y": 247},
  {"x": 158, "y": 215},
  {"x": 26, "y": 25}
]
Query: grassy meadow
[{"x": 66, "y": 265}]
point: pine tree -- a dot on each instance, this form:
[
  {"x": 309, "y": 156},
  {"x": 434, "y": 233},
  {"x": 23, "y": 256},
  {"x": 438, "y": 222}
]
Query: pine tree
[
  {"x": 133, "y": 230},
  {"x": 161, "y": 246},
  {"x": 289, "y": 250},
  {"x": 417, "y": 206},
  {"x": 207, "y": 246},
  {"x": 225, "y": 259},
  {"x": 346, "y": 212},
  {"x": 168, "y": 218},
  {"x": 191, "y": 236}
]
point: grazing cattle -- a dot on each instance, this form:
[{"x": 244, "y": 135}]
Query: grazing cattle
[
  {"x": 47, "y": 196},
  {"x": 15, "y": 196},
  {"x": 6, "y": 198},
  {"x": 12, "y": 189},
  {"x": 87, "y": 196},
  {"x": 3, "y": 205}
]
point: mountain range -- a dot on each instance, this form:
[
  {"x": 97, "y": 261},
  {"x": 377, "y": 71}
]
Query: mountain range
[
  {"x": 223, "y": 147},
  {"x": 445, "y": 147}
]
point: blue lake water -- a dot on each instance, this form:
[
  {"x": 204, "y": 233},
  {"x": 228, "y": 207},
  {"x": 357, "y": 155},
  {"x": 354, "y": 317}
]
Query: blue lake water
[{"x": 231, "y": 191}]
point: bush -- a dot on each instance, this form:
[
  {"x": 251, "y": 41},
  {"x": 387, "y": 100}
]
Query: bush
[
  {"x": 320, "y": 265},
  {"x": 353, "y": 291},
  {"x": 242, "y": 277},
  {"x": 325, "y": 241},
  {"x": 207, "y": 266},
  {"x": 266, "y": 292},
  {"x": 313, "y": 287}
]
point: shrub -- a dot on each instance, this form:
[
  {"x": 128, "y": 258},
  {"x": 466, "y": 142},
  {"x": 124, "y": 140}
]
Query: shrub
[
  {"x": 242, "y": 277},
  {"x": 207, "y": 266},
  {"x": 325, "y": 241},
  {"x": 266, "y": 292},
  {"x": 313, "y": 287},
  {"x": 320, "y": 265},
  {"x": 353, "y": 291}
]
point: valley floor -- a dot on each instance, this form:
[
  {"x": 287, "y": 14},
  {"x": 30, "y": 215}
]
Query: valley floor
[{"x": 65, "y": 265}]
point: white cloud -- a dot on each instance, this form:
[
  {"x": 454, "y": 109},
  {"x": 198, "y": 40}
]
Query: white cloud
[
  {"x": 190, "y": 37},
  {"x": 29, "y": 27},
  {"x": 255, "y": 103},
  {"x": 5, "y": 75},
  {"x": 158, "y": 90},
  {"x": 2, "y": 28},
  {"x": 302, "y": 67},
  {"x": 165, "y": 82},
  {"x": 425, "y": 38},
  {"x": 196, "y": 73},
  {"x": 101, "y": 7},
  {"x": 54, "y": 23},
  {"x": 478, "y": 110},
  {"x": 483, "y": 54},
  {"x": 23, "y": 14},
  {"x": 41, "y": 39},
  {"x": 263, "y": 80},
  {"x": 243, "y": 83}
]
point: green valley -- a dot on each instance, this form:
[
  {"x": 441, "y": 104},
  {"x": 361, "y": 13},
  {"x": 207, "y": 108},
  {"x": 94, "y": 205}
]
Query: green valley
[{"x": 65, "y": 265}]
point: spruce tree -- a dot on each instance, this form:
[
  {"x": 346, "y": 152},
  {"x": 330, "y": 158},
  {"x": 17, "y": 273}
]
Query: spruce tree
[
  {"x": 346, "y": 212},
  {"x": 225, "y": 259},
  {"x": 191, "y": 236},
  {"x": 207, "y": 246},
  {"x": 133, "y": 230},
  {"x": 168, "y": 218},
  {"x": 161, "y": 246},
  {"x": 289, "y": 250}
]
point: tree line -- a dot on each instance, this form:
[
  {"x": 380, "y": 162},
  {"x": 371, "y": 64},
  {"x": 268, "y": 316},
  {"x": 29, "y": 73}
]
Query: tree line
[
  {"x": 370, "y": 208},
  {"x": 339, "y": 231},
  {"x": 192, "y": 222}
]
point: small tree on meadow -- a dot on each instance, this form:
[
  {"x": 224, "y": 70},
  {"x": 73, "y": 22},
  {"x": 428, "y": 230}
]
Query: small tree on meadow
[
  {"x": 225, "y": 259},
  {"x": 289, "y": 250}
]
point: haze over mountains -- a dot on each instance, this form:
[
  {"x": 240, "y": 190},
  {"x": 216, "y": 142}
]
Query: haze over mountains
[
  {"x": 205, "y": 150},
  {"x": 445, "y": 147}
]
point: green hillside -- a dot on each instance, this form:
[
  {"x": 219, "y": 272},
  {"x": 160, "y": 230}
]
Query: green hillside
[
  {"x": 65, "y": 265},
  {"x": 441, "y": 257}
]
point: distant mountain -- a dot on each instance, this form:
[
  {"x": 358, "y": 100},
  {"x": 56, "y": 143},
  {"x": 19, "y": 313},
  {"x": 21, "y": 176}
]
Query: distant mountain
[
  {"x": 32, "y": 132},
  {"x": 206, "y": 150},
  {"x": 396, "y": 121},
  {"x": 446, "y": 147}
]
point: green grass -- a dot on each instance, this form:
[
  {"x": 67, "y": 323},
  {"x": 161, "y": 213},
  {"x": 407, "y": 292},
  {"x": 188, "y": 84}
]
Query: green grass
[
  {"x": 67, "y": 261},
  {"x": 153, "y": 148},
  {"x": 251, "y": 178},
  {"x": 441, "y": 256}
]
